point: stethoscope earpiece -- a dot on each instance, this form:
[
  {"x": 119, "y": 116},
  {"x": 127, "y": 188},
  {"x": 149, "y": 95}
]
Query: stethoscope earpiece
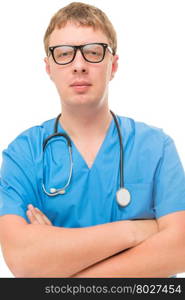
[{"x": 54, "y": 191}]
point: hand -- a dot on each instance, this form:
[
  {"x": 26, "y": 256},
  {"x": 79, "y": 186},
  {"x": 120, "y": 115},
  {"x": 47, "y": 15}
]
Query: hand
[{"x": 36, "y": 216}]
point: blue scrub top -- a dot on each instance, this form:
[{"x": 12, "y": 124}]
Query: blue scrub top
[{"x": 153, "y": 174}]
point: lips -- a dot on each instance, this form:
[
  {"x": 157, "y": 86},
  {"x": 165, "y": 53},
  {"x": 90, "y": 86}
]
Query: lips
[
  {"x": 80, "y": 83},
  {"x": 80, "y": 86}
]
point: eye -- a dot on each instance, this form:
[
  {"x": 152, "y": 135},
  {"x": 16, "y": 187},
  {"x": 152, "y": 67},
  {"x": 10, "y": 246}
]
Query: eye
[
  {"x": 63, "y": 52},
  {"x": 93, "y": 50}
]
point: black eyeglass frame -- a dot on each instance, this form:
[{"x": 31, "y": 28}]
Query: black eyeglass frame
[{"x": 80, "y": 47}]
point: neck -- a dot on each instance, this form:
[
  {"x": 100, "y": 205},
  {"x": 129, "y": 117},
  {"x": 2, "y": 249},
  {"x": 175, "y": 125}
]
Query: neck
[{"x": 86, "y": 123}]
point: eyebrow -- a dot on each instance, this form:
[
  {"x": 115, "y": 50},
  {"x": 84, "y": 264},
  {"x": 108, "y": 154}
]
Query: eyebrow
[{"x": 77, "y": 44}]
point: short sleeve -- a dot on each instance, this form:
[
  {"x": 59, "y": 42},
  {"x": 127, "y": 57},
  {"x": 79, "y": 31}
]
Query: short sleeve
[
  {"x": 17, "y": 180},
  {"x": 169, "y": 182}
]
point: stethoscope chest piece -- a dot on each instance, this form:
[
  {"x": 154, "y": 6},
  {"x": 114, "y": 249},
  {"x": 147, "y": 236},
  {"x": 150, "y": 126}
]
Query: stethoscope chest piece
[{"x": 123, "y": 197}]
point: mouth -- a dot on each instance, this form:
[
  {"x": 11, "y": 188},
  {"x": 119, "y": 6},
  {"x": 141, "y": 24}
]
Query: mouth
[{"x": 80, "y": 85}]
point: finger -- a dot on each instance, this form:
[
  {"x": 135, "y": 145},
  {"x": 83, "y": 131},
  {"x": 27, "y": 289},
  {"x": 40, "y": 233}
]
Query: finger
[
  {"x": 36, "y": 214},
  {"x": 48, "y": 222},
  {"x": 42, "y": 219},
  {"x": 31, "y": 217}
]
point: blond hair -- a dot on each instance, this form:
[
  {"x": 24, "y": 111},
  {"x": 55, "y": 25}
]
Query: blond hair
[{"x": 83, "y": 15}]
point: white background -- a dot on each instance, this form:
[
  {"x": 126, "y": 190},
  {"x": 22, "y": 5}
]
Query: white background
[{"x": 149, "y": 85}]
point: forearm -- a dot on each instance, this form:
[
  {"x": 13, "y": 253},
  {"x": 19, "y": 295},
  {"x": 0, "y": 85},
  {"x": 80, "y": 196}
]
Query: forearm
[
  {"x": 48, "y": 251},
  {"x": 162, "y": 255}
]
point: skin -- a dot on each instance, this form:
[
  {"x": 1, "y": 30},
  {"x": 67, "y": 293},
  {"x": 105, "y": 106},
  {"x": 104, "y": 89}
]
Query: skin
[
  {"x": 36, "y": 216},
  {"x": 98, "y": 74},
  {"x": 136, "y": 261}
]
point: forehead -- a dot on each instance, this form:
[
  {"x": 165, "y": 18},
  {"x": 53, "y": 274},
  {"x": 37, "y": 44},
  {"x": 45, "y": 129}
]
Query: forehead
[{"x": 72, "y": 34}]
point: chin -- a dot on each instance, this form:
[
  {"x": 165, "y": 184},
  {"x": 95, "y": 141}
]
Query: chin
[
  {"x": 82, "y": 103},
  {"x": 83, "y": 99}
]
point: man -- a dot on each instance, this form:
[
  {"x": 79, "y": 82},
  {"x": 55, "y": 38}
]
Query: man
[{"x": 59, "y": 214}]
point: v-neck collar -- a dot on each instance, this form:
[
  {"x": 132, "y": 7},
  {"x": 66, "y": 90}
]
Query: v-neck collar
[{"x": 98, "y": 154}]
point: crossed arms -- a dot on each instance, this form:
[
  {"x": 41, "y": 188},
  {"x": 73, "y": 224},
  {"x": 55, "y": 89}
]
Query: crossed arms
[{"x": 143, "y": 248}]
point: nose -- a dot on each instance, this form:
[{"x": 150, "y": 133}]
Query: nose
[{"x": 79, "y": 63}]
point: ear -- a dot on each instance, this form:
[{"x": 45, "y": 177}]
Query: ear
[
  {"x": 47, "y": 66},
  {"x": 114, "y": 66}
]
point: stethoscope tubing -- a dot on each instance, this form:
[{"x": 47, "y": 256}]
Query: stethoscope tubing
[
  {"x": 69, "y": 144},
  {"x": 121, "y": 166}
]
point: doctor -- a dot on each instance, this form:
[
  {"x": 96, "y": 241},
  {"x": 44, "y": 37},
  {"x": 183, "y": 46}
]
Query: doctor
[{"x": 82, "y": 231}]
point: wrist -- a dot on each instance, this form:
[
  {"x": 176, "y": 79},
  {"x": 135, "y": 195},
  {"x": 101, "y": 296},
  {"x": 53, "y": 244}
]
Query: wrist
[
  {"x": 143, "y": 229},
  {"x": 129, "y": 230}
]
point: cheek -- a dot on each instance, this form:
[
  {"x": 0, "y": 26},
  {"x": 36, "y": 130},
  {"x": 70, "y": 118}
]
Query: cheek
[
  {"x": 59, "y": 77},
  {"x": 104, "y": 75},
  {"x": 109, "y": 71}
]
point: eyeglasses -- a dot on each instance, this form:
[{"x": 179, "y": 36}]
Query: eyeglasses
[{"x": 93, "y": 53}]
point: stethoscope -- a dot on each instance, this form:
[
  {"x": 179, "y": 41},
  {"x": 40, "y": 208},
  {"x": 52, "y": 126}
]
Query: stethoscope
[{"x": 123, "y": 196}]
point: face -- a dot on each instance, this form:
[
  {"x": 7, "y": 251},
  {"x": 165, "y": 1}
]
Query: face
[{"x": 81, "y": 82}]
